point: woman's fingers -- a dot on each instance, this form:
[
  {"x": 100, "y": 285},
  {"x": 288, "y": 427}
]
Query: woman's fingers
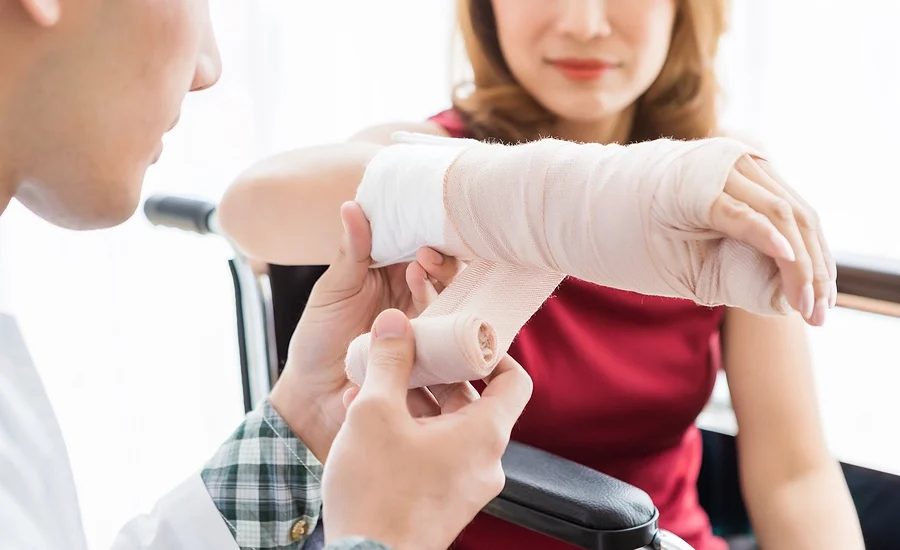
[
  {"x": 828, "y": 257},
  {"x": 753, "y": 215},
  {"x": 807, "y": 284},
  {"x": 824, "y": 277},
  {"x": 738, "y": 220}
]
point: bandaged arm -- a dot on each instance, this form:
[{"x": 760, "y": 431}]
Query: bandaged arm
[
  {"x": 634, "y": 218},
  {"x": 284, "y": 209},
  {"x": 631, "y": 228}
]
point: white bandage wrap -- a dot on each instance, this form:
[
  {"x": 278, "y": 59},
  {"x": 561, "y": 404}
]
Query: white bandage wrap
[
  {"x": 630, "y": 217},
  {"x": 402, "y": 196}
]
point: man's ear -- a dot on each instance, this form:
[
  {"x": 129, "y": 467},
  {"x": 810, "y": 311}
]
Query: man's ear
[{"x": 44, "y": 12}]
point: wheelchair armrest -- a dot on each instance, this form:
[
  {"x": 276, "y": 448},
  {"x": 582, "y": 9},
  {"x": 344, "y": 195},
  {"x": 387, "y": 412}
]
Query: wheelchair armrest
[{"x": 573, "y": 503}]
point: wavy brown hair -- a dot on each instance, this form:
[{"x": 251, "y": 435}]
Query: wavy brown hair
[{"x": 681, "y": 103}]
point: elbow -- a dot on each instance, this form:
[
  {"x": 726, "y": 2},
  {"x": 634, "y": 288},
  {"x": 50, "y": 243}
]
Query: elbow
[
  {"x": 285, "y": 210},
  {"x": 766, "y": 474},
  {"x": 229, "y": 212},
  {"x": 239, "y": 214}
]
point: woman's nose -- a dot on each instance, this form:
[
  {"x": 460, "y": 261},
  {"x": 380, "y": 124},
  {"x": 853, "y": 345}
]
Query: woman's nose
[{"x": 584, "y": 20}]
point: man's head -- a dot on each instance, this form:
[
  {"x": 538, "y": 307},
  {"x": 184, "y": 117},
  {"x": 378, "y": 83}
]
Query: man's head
[{"x": 87, "y": 90}]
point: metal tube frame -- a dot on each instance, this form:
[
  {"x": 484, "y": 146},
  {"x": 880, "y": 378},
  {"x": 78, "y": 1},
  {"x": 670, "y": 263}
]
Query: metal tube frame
[{"x": 255, "y": 326}]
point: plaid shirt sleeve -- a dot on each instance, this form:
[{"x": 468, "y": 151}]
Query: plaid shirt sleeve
[{"x": 266, "y": 484}]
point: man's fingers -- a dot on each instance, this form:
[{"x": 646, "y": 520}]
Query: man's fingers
[
  {"x": 429, "y": 275},
  {"x": 349, "y": 395},
  {"x": 420, "y": 287},
  {"x": 453, "y": 397},
  {"x": 357, "y": 242},
  {"x": 392, "y": 351},
  {"x": 351, "y": 265},
  {"x": 439, "y": 268},
  {"x": 421, "y": 403},
  {"x": 502, "y": 402}
]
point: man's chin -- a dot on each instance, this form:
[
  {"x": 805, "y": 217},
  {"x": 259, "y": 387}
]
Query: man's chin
[
  {"x": 80, "y": 215},
  {"x": 106, "y": 218}
]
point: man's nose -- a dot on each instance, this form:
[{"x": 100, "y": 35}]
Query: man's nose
[{"x": 209, "y": 63}]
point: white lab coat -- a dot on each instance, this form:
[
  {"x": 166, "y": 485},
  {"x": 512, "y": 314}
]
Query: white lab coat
[{"x": 38, "y": 504}]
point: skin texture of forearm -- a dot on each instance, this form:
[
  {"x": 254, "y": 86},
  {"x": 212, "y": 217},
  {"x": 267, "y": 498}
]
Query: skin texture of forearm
[
  {"x": 259, "y": 211},
  {"x": 810, "y": 512},
  {"x": 796, "y": 496}
]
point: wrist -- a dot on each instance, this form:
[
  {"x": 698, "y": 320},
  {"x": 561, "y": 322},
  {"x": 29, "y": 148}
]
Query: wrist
[{"x": 303, "y": 413}]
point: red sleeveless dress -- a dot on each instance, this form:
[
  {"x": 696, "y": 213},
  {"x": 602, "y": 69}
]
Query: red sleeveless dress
[{"x": 619, "y": 379}]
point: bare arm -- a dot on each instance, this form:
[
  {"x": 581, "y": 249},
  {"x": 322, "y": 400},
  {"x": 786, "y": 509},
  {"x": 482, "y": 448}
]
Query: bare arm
[
  {"x": 259, "y": 212},
  {"x": 795, "y": 493}
]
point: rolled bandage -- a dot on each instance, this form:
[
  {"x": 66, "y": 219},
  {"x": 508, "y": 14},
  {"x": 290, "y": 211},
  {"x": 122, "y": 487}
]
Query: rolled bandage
[
  {"x": 444, "y": 353},
  {"x": 629, "y": 217},
  {"x": 473, "y": 353}
]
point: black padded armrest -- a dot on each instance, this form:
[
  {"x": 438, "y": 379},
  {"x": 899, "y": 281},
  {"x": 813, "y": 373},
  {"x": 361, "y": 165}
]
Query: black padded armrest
[{"x": 573, "y": 503}]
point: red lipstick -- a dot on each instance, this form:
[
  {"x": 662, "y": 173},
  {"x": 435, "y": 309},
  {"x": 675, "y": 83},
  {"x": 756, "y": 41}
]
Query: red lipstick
[{"x": 582, "y": 69}]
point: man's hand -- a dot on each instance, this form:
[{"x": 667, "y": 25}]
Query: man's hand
[
  {"x": 415, "y": 483},
  {"x": 343, "y": 305}
]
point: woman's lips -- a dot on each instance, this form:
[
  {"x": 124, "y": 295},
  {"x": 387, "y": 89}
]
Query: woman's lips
[{"x": 582, "y": 69}]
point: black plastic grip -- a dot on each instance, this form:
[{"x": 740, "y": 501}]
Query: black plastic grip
[{"x": 179, "y": 213}]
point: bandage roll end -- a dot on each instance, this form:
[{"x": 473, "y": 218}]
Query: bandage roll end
[{"x": 449, "y": 349}]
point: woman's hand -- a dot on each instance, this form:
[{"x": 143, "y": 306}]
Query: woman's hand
[
  {"x": 761, "y": 210},
  {"x": 343, "y": 304}
]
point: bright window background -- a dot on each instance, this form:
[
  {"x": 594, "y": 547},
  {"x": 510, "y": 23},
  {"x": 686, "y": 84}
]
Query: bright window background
[
  {"x": 133, "y": 328},
  {"x": 817, "y": 83}
]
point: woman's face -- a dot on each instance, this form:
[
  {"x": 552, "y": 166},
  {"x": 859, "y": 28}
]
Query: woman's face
[{"x": 585, "y": 60}]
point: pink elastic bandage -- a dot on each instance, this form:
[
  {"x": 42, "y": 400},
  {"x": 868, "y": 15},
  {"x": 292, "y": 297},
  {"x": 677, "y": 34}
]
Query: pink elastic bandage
[{"x": 629, "y": 217}]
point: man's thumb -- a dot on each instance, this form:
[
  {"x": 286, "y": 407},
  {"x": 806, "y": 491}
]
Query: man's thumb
[
  {"x": 351, "y": 265},
  {"x": 392, "y": 351}
]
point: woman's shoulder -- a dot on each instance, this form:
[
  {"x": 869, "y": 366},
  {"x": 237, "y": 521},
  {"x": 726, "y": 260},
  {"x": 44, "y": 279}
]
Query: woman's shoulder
[
  {"x": 451, "y": 122},
  {"x": 382, "y": 133}
]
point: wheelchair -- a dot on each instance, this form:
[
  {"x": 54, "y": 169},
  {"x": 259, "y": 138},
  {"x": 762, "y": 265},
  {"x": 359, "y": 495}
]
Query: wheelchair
[{"x": 543, "y": 492}]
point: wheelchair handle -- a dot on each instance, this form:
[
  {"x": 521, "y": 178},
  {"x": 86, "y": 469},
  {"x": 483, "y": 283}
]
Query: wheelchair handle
[{"x": 180, "y": 213}]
